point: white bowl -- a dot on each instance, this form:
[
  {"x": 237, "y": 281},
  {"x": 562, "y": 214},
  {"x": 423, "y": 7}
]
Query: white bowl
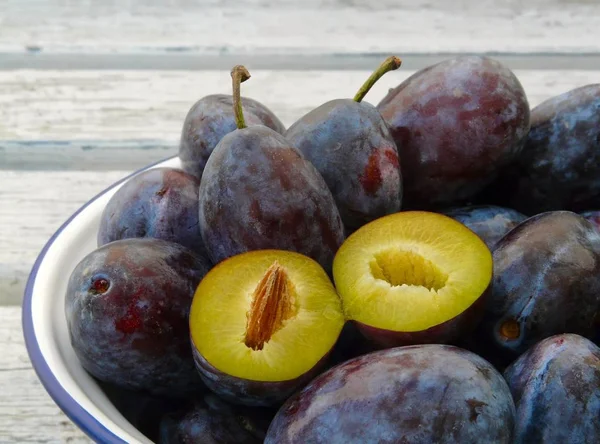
[{"x": 45, "y": 326}]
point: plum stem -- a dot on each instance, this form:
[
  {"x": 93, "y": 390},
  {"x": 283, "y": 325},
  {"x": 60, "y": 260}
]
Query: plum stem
[
  {"x": 389, "y": 64},
  {"x": 272, "y": 304},
  {"x": 239, "y": 74}
]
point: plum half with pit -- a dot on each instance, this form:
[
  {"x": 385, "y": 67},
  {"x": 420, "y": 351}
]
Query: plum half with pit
[
  {"x": 413, "y": 277},
  {"x": 556, "y": 388},
  {"x": 160, "y": 203},
  {"x": 417, "y": 394},
  {"x": 127, "y": 306},
  {"x": 263, "y": 324}
]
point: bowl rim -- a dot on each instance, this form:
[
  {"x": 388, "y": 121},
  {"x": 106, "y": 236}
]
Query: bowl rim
[{"x": 70, "y": 407}]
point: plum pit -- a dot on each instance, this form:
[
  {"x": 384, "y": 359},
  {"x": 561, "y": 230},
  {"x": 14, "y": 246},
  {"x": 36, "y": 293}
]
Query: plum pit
[{"x": 272, "y": 304}]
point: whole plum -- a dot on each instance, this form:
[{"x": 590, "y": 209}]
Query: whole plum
[
  {"x": 259, "y": 192},
  {"x": 350, "y": 144},
  {"x": 455, "y": 125},
  {"x": 161, "y": 203},
  {"x": 556, "y": 388},
  {"x": 546, "y": 282},
  {"x": 559, "y": 167},
  {"x": 210, "y": 420},
  {"x": 127, "y": 306},
  {"x": 489, "y": 222},
  {"x": 414, "y": 394},
  {"x": 209, "y": 119}
]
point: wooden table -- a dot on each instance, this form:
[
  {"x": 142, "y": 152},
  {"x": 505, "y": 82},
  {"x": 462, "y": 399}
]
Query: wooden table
[{"x": 90, "y": 91}]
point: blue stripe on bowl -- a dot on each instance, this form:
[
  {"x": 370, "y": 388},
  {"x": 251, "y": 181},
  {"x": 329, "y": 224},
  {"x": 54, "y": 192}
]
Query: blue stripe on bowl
[{"x": 76, "y": 413}]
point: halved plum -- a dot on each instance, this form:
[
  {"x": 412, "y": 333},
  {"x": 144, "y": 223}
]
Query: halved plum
[
  {"x": 262, "y": 325},
  {"x": 413, "y": 277}
]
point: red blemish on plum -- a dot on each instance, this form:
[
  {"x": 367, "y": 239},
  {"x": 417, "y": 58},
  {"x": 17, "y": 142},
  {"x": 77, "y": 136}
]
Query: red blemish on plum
[
  {"x": 132, "y": 321},
  {"x": 392, "y": 157},
  {"x": 371, "y": 178}
]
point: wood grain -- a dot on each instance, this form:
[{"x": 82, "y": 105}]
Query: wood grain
[
  {"x": 27, "y": 413},
  {"x": 134, "y": 119},
  {"x": 151, "y": 105},
  {"x": 291, "y": 27},
  {"x": 34, "y": 205}
]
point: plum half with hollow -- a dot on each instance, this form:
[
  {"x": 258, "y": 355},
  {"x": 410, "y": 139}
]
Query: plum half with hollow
[{"x": 413, "y": 277}]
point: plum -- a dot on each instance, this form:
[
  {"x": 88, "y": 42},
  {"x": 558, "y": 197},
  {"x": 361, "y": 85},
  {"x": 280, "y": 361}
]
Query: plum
[
  {"x": 413, "y": 277},
  {"x": 160, "y": 203},
  {"x": 556, "y": 389},
  {"x": 209, "y": 119},
  {"x": 455, "y": 125},
  {"x": 413, "y": 394},
  {"x": 489, "y": 222},
  {"x": 263, "y": 324},
  {"x": 546, "y": 282},
  {"x": 210, "y": 420},
  {"x": 259, "y": 192},
  {"x": 127, "y": 306},
  {"x": 350, "y": 144},
  {"x": 559, "y": 167},
  {"x": 143, "y": 410}
]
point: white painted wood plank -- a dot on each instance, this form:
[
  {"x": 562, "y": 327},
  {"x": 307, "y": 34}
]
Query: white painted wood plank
[
  {"x": 310, "y": 26},
  {"x": 34, "y": 204},
  {"x": 151, "y": 105},
  {"x": 27, "y": 413}
]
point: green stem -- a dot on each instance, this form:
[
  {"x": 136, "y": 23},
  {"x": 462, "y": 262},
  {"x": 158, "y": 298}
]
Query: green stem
[
  {"x": 389, "y": 64},
  {"x": 239, "y": 74}
]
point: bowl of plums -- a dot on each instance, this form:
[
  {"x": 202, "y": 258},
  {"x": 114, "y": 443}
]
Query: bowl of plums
[{"x": 426, "y": 270}]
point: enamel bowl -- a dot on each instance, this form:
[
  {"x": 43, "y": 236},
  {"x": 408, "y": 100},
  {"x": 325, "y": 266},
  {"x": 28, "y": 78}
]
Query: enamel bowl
[{"x": 45, "y": 328}]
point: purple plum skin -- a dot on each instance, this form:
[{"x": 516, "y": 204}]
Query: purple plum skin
[
  {"x": 414, "y": 394},
  {"x": 258, "y": 192},
  {"x": 455, "y": 125},
  {"x": 489, "y": 222},
  {"x": 248, "y": 392},
  {"x": 210, "y": 420},
  {"x": 134, "y": 332},
  {"x": 559, "y": 167},
  {"x": 546, "y": 279},
  {"x": 209, "y": 120},
  {"x": 556, "y": 389},
  {"x": 143, "y": 410},
  {"x": 350, "y": 145},
  {"x": 160, "y": 203},
  {"x": 445, "y": 333}
]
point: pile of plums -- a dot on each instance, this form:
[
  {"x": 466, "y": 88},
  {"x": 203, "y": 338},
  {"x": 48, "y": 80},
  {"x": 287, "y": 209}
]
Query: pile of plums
[{"x": 422, "y": 271}]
